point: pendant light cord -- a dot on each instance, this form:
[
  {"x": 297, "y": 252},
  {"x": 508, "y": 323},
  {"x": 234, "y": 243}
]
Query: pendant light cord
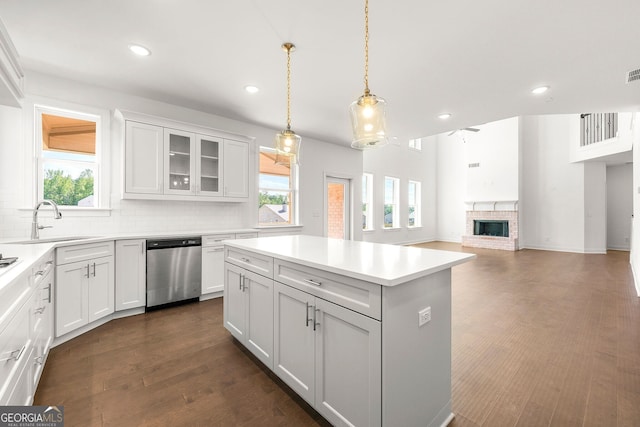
[
  {"x": 288, "y": 88},
  {"x": 366, "y": 47}
]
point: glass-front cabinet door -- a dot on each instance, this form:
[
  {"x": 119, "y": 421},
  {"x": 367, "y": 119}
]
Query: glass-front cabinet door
[
  {"x": 179, "y": 162},
  {"x": 208, "y": 157}
]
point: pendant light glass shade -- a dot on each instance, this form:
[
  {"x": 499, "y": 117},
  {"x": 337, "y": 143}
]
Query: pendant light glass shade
[
  {"x": 287, "y": 141},
  {"x": 287, "y": 147},
  {"x": 368, "y": 122}
]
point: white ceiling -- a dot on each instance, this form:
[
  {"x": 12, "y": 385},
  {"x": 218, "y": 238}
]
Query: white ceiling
[{"x": 477, "y": 60}]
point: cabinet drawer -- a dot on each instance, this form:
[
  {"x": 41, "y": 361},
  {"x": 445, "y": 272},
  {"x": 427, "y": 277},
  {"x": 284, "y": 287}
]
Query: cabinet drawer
[
  {"x": 357, "y": 295},
  {"x": 14, "y": 348},
  {"x": 216, "y": 239},
  {"x": 251, "y": 235},
  {"x": 42, "y": 268},
  {"x": 257, "y": 263},
  {"x": 68, "y": 254}
]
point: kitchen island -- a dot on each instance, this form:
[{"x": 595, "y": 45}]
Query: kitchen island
[{"x": 361, "y": 331}]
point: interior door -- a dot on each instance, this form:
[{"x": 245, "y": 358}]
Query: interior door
[{"x": 338, "y": 203}]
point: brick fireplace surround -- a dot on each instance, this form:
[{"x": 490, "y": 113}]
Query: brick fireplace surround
[{"x": 488, "y": 211}]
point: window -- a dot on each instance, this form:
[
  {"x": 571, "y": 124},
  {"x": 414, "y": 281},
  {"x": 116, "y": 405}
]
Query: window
[
  {"x": 367, "y": 201},
  {"x": 416, "y": 144},
  {"x": 415, "y": 213},
  {"x": 277, "y": 188},
  {"x": 391, "y": 214},
  {"x": 69, "y": 159}
]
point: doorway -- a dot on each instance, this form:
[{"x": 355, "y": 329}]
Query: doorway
[{"x": 338, "y": 208}]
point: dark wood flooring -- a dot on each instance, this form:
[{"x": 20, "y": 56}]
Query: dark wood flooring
[{"x": 539, "y": 339}]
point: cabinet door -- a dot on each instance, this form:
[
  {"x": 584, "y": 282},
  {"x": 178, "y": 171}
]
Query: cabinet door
[
  {"x": 179, "y": 162},
  {"x": 208, "y": 165},
  {"x": 212, "y": 269},
  {"x": 131, "y": 263},
  {"x": 71, "y": 296},
  {"x": 259, "y": 299},
  {"x": 236, "y": 168},
  {"x": 101, "y": 284},
  {"x": 234, "y": 304},
  {"x": 348, "y": 366},
  {"x": 143, "y": 161},
  {"x": 293, "y": 336}
]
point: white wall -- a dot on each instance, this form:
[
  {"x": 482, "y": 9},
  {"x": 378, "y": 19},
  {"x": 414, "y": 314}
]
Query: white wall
[
  {"x": 635, "y": 228},
  {"x": 553, "y": 188},
  {"x": 495, "y": 149},
  {"x": 400, "y": 161},
  {"x": 16, "y": 174},
  {"x": 619, "y": 206},
  {"x": 595, "y": 208},
  {"x": 451, "y": 188}
]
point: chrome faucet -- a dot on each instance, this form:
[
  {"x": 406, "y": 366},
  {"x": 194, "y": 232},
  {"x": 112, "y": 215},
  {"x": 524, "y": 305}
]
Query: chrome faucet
[{"x": 35, "y": 228}]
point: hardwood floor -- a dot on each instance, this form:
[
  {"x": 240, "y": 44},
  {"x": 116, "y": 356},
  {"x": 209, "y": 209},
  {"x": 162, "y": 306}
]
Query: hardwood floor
[{"x": 539, "y": 338}]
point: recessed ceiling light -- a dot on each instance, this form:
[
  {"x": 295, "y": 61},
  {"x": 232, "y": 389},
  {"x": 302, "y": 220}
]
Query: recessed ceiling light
[
  {"x": 251, "y": 89},
  {"x": 444, "y": 116},
  {"x": 539, "y": 90},
  {"x": 139, "y": 50}
]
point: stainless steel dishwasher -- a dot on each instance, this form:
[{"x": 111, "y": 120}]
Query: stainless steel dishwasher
[{"x": 174, "y": 270}]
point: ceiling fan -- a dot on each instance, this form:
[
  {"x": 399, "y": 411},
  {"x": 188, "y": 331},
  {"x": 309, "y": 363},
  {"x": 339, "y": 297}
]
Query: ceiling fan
[{"x": 467, "y": 129}]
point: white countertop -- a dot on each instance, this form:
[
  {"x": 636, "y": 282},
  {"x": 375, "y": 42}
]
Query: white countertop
[
  {"x": 384, "y": 264},
  {"x": 29, "y": 253}
]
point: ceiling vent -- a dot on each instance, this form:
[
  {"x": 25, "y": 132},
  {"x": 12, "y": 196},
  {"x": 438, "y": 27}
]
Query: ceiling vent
[{"x": 633, "y": 75}]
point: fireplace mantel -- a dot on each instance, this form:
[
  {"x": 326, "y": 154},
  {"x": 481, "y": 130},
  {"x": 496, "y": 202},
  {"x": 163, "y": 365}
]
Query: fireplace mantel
[{"x": 492, "y": 205}]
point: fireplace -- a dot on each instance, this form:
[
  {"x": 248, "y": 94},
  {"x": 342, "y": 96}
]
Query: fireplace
[
  {"x": 491, "y": 228},
  {"x": 492, "y": 225}
]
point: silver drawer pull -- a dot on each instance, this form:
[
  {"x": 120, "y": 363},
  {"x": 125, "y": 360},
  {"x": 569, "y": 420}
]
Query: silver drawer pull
[
  {"x": 13, "y": 356},
  {"x": 306, "y": 314},
  {"x": 313, "y": 282},
  {"x": 218, "y": 250},
  {"x": 50, "y": 262},
  {"x": 245, "y": 260},
  {"x": 39, "y": 360},
  {"x": 39, "y": 310},
  {"x": 40, "y": 273},
  {"x": 315, "y": 324}
]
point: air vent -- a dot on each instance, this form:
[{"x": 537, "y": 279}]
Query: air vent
[
  {"x": 474, "y": 165},
  {"x": 633, "y": 75}
]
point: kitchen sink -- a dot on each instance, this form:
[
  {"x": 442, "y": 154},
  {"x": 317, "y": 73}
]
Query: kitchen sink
[{"x": 52, "y": 240}]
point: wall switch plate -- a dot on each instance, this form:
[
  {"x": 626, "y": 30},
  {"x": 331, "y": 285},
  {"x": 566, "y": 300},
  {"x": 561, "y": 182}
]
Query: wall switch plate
[{"x": 424, "y": 316}]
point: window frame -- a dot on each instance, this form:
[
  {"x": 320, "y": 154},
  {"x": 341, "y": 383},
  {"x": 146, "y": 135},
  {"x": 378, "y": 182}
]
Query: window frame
[
  {"x": 367, "y": 202},
  {"x": 415, "y": 144},
  {"x": 395, "y": 205},
  {"x": 294, "y": 202},
  {"x": 101, "y": 165},
  {"x": 417, "y": 205}
]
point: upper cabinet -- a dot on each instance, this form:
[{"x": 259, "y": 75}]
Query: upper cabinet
[
  {"x": 177, "y": 161},
  {"x": 11, "y": 74}
]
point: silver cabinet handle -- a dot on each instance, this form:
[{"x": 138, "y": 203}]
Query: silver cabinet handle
[
  {"x": 247, "y": 260},
  {"x": 306, "y": 314},
  {"x": 39, "y": 360},
  {"x": 240, "y": 282},
  {"x": 314, "y": 318},
  {"x": 87, "y": 276},
  {"x": 313, "y": 282},
  {"x": 48, "y": 299},
  {"x": 13, "y": 356},
  {"x": 40, "y": 273},
  {"x": 39, "y": 310},
  {"x": 50, "y": 262},
  {"x": 94, "y": 269},
  {"x": 244, "y": 283},
  {"x": 218, "y": 250}
]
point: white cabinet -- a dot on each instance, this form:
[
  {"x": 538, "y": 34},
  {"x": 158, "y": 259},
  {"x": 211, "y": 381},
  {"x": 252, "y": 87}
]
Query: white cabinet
[
  {"x": 236, "y": 169},
  {"x": 130, "y": 274},
  {"x": 11, "y": 74},
  {"x": 144, "y": 154},
  {"x": 213, "y": 262},
  {"x": 330, "y": 355},
  {"x": 84, "y": 288},
  {"x": 248, "y": 311},
  {"x": 42, "y": 326},
  {"x": 171, "y": 160}
]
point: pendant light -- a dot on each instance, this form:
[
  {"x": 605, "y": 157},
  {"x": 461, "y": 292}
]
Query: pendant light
[
  {"x": 287, "y": 142},
  {"x": 368, "y": 111}
]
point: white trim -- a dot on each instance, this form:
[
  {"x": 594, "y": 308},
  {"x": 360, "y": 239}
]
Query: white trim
[
  {"x": 327, "y": 176},
  {"x": 635, "y": 277}
]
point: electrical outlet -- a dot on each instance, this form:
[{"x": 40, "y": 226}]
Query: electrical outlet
[{"x": 424, "y": 316}]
